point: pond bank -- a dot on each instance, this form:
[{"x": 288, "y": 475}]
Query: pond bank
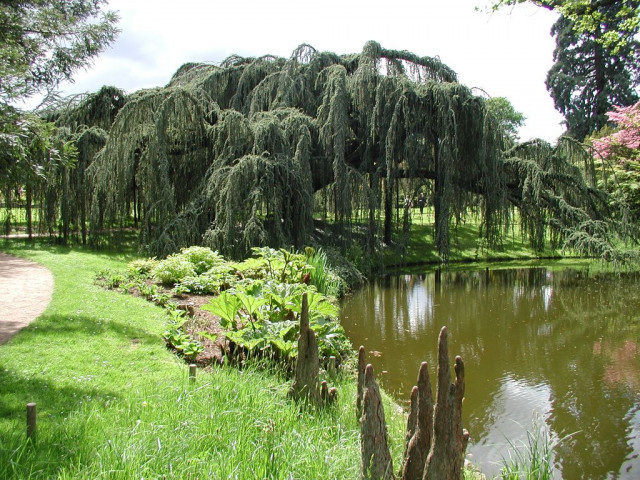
[{"x": 111, "y": 397}]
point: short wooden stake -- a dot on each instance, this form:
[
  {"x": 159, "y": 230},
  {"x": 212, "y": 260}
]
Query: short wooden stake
[
  {"x": 192, "y": 372},
  {"x": 31, "y": 421},
  {"x": 332, "y": 368}
]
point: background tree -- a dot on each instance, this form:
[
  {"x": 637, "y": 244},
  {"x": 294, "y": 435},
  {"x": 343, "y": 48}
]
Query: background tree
[
  {"x": 589, "y": 77},
  {"x": 597, "y": 59},
  {"x": 507, "y": 116},
  {"x": 42, "y": 42},
  {"x": 618, "y": 149},
  {"x": 624, "y": 144},
  {"x": 586, "y": 16}
]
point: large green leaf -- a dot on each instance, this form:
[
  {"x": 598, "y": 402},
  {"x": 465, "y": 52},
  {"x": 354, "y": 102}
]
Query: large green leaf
[{"x": 225, "y": 306}]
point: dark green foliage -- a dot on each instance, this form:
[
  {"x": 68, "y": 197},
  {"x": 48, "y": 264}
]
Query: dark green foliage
[
  {"x": 554, "y": 188},
  {"x": 231, "y": 155},
  {"x": 590, "y": 77},
  {"x": 43, "y": 42},
  {"x": 242, "y": 154}
]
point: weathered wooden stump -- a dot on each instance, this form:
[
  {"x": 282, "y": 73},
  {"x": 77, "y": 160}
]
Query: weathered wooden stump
[
  {"x": 328, "y": 395},
  {"x": 449, "y": 443},
  {"x": 412, "y": 420},
  {"x": 374, "y": 447},
  {"x": 305, "y": 385},
  {"x": 362, "y": 365},
  {"x": 419, "y": 444},
  {"x": 435, "y": 442}
]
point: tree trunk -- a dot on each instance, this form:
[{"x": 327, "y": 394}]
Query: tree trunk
[
  {"x": 441, "y": 206},
  {"x": 64, "y": 206},
  {"x": 601, "y": 101},
  {"x": 372, "y": 215},
  {"x": 388, "y": 209},
  {"x": 8, "y": 206},
  {"x": 29, "y": 209}
]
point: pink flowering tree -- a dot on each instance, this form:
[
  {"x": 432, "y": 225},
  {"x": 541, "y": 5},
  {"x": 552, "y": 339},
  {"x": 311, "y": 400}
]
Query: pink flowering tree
[
  {"x": 624, "y": 144},
  {"x": 620, "y": 153}
]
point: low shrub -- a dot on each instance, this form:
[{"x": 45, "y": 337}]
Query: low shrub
[
  {"x": 202, "y": 258},
  {"x": 173, "y": 269}
]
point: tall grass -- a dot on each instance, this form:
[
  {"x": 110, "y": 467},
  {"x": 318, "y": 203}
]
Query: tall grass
[
  {"x": 534, "y": 458},
  {"x": 229, "y": 424},
  {"x": 322, "y": 277}
]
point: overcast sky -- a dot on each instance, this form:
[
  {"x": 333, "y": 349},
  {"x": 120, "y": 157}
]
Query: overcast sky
[{"x": 506, "y": 54}]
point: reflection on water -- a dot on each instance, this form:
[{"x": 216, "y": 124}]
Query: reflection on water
[{"x": 560, "y": 346}]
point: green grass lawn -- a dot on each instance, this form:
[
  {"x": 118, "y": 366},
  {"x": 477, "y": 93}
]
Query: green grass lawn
[
  {"x": 114, "y": 403},
  {"x": 19, "y": 218},
  {"x": 467, "y": 244}
]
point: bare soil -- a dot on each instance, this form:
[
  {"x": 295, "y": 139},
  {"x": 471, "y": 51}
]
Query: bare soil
[
  {"x": 198, "y": 321},
  {"x": 204, "y": 321}
]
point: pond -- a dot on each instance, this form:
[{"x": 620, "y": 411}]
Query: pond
[{"x": 549, "y": 351}]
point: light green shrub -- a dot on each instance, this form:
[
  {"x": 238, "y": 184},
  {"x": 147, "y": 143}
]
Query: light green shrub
[
  {"x": 142, "y": 266},
  {"x": 202, "y": 258},
  {"x": 173, "y": 269}
]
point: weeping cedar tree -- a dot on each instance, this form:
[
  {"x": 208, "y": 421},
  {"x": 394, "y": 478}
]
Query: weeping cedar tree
[{"x": 231, "y": 155}]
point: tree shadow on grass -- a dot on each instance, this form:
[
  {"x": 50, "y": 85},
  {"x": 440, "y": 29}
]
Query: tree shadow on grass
[
  {"x": 56, "y": 437},
  {"x": 74, "y": 367},
  {"x": 52, "y": 327},
  {"x": 126, "y": 249}
]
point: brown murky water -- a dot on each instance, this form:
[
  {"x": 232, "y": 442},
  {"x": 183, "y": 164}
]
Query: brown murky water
[{"x": 554, "y": 351}]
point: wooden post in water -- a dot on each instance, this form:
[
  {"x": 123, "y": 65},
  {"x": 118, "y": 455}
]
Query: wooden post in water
[{"x": 31, "y": 421}]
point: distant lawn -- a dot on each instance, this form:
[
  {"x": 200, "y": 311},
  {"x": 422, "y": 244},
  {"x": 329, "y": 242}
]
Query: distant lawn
[
  {"x": 467, "y": 243},
  {"x": 18, "y": 218},
  {"x": 114, "y": 403}
]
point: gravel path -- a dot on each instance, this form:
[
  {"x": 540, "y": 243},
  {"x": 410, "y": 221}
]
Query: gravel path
[{"x": 25, "y": 291}]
